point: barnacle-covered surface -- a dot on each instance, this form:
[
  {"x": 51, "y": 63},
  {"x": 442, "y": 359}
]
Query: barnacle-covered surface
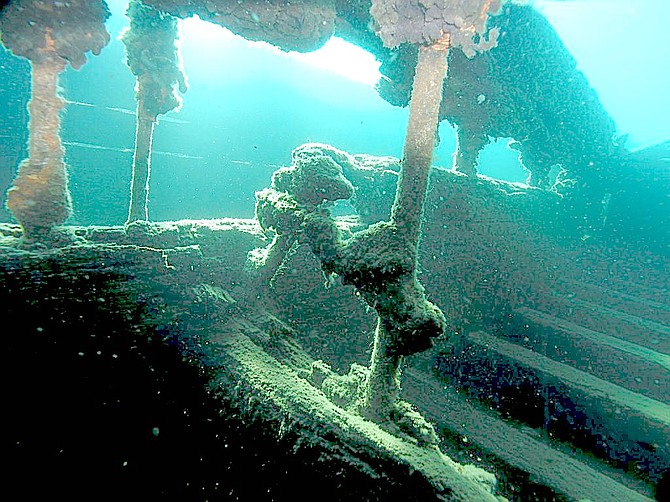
[
  {"x": 300, "y": 25},
  {"x": 152, "y": 56},
  {"x": 426, "y": 22},
  {"x": 74, "y": 28}
]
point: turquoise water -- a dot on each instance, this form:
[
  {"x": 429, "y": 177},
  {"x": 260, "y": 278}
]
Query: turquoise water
[{"x": 248, "y": 105}]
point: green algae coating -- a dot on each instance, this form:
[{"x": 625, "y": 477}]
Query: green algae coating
[{"x": 275, "y": 390}]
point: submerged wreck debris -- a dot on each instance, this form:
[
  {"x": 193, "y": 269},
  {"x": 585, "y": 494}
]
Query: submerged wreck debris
[
  {"x": 153, "y": 58},
  {"x": 381, "y": 261},
  {"x": 50, "y": 35},
  {"x": 139, "y": 344},
  {"x": 512, "y": 91},
  {"x": 373, "y": 178},
  {"x": 170, "y": 376},
  {"x": 147, "y": 340},
  {"x": 375, "y": 261},
  {"x": 407, "y": 320},
  {"x": 297, "y": 191}
]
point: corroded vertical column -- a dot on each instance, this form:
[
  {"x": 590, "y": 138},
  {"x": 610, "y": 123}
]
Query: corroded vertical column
[
  {"x": 50, "y": 35},
  {"x": 153, "y": 57},
  {"x": 139, "y": 186},
  {"x": 424, "y": 106},
  {"x": 383, "y": 385},
  {"x": 39, "y": 198}
]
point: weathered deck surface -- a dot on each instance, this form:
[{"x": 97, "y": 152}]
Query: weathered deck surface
[{"x": 557, "y": 379}]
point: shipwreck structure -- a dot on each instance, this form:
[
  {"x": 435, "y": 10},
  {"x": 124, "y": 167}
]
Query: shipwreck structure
[{"x": 454, "y": 338}]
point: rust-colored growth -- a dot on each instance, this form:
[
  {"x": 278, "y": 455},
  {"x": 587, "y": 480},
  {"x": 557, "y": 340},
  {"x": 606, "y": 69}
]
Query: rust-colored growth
[
  {"x": 50, "y": 35},
  {"x": 426, "y": 22},
  {"x": 39, "y": 198}
]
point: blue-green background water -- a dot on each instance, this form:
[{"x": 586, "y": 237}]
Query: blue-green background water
[{"x": 249, "y": 105}]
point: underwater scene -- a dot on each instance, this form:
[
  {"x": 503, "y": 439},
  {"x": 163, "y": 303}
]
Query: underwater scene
[{"x": 366, "y": 250}]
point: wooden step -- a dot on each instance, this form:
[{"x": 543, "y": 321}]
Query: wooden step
[
  {"x": 629, "y": 273},
  {"x": 653, "y": 307},
  {"x": 654, "y": 289},
  {"x": 612, "y": 358},
  {"x": 484, "y": 431},
  {"x": 615, "y": 422},
  {"x": 607, "y": 319},
  {"x": 615, "y": 337}
]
